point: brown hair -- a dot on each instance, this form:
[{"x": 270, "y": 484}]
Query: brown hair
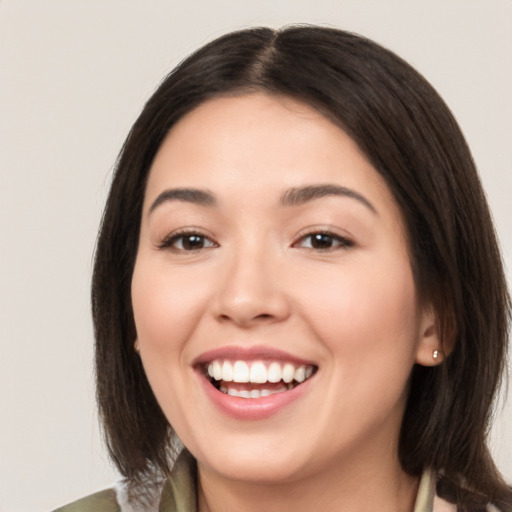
[{"x": 413, "y": 141}]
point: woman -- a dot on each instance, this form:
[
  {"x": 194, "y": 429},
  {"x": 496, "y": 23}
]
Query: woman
[{"x": 297, "y": 277}]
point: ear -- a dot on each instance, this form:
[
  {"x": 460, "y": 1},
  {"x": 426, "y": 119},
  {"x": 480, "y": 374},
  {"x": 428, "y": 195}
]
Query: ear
[{"x": 430, "y": 351}]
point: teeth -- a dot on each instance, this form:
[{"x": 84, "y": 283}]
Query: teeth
[
  {"x": 300, "y": 374},
  {"x": 258, "y": 372},
  {"x": 274, "y": 373},
  {"x": 227, "y": 371},
  {"x": 240, "y": 372},
  {"x": 253, "y": 393},
  {"x": 288, "y": 372},
  {"x": 217, "y": 370}
]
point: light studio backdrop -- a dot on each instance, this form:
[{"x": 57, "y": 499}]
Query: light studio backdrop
[{"x": 73, "y": 76}]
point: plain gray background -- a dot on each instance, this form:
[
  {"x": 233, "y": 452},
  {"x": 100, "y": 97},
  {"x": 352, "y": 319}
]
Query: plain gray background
[{"x": 73, "y": 76}]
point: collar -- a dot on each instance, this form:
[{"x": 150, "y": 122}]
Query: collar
[
  {"x": 179, "y": 492},
  {"x": 426, "y": 493}
]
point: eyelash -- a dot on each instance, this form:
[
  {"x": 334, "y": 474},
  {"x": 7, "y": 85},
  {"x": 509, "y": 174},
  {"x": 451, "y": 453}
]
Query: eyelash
[
  {"x": 340, "y": 242},
  {"x": 170, "y": 241}
]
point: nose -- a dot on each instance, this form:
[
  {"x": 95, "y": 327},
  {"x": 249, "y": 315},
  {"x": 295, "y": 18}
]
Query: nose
[{"x": 251, "y": 291}]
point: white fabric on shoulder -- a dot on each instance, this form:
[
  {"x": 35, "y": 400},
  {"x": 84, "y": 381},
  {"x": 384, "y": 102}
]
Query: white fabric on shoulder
[
  {"x": 121, "y": 489},
  {"x": 426, "y": 500},
  {"x": 426, "y": 491}
]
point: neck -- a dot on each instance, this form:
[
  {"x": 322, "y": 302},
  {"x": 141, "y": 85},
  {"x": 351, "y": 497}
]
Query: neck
[{"x": 353, "y": 487}]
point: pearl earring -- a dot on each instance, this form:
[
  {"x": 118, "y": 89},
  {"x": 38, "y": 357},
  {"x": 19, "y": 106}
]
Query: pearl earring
[{"x": 435, "y": 354}]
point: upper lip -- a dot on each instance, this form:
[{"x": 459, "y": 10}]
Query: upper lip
[{"x": 261, "y": 353}]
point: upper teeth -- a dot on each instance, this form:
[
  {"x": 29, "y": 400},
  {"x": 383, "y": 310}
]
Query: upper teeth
[{"x": 258, "y": 372}]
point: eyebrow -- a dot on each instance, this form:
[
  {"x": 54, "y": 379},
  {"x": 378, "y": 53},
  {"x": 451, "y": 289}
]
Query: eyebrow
[
  {"x": 292, "y": 197},
  {"x": 189, "y": 195},
  {"x": 301, "y": 195}
]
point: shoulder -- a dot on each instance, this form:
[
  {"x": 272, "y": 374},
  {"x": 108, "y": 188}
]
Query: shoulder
[
  {"x": 428, "y": 499},
  {"x": 174, "y": 494},
  {"x": 103, "y": 501}
]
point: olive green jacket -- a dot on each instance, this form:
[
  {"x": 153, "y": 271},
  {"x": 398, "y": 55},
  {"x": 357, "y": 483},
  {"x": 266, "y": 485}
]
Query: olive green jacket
[{"x": 178, "y": 494}]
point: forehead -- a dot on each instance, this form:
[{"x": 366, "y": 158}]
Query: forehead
[{"x": 260, "y": 143}]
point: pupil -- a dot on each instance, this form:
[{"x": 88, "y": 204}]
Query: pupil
[
  {"x": 191, "y": 242},
  {"x": 321, "y": 241}
]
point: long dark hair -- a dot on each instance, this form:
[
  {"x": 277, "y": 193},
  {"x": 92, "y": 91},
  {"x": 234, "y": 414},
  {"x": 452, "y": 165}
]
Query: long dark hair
[{"x": 409, "y": 135}]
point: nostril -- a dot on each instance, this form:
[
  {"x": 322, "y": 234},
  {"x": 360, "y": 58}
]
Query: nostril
[
  {"x": 246, "y": 309},
  {"x": 263, "y": 316}
]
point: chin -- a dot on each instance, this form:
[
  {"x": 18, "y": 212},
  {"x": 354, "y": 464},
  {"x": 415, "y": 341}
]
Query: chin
[{"x": 260, "y": 463}]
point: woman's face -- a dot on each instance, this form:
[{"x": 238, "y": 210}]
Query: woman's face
[{"x": 274, "y": 302}]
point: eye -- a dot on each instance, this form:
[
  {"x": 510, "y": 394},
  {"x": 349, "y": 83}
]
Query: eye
[
  {"x": 323, "y": 241},
  {"x": 187, "y": 241}
]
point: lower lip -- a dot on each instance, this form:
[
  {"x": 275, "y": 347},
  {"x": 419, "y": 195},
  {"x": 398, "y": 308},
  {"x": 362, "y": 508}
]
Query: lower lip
[{"x": 252, "y": 408}]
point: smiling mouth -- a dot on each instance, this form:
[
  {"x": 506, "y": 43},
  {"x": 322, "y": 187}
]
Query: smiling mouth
[{"x": 256, "y": 379}]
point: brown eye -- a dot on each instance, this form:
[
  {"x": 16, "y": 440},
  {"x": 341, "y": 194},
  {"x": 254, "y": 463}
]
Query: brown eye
[
  {"x": 192, "y": 242},
  {"x": 321, "y": 241},
  {"x": 187, "y": 242}
]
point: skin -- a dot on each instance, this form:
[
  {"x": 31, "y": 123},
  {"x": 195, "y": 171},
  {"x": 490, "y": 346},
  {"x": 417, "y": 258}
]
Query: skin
[{"x": 256, "y": 280}]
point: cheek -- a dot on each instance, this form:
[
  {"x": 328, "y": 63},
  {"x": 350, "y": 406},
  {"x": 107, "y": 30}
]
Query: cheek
[
  {"x": 368, "y": 322},
  {"x": 167, "y": 305},
  {"x": 367, "y": 314}
]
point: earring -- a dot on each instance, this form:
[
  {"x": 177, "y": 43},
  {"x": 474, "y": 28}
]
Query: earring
[
  {"x": 136, "y": 346},
  {"x": 435, "y": 354}
]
